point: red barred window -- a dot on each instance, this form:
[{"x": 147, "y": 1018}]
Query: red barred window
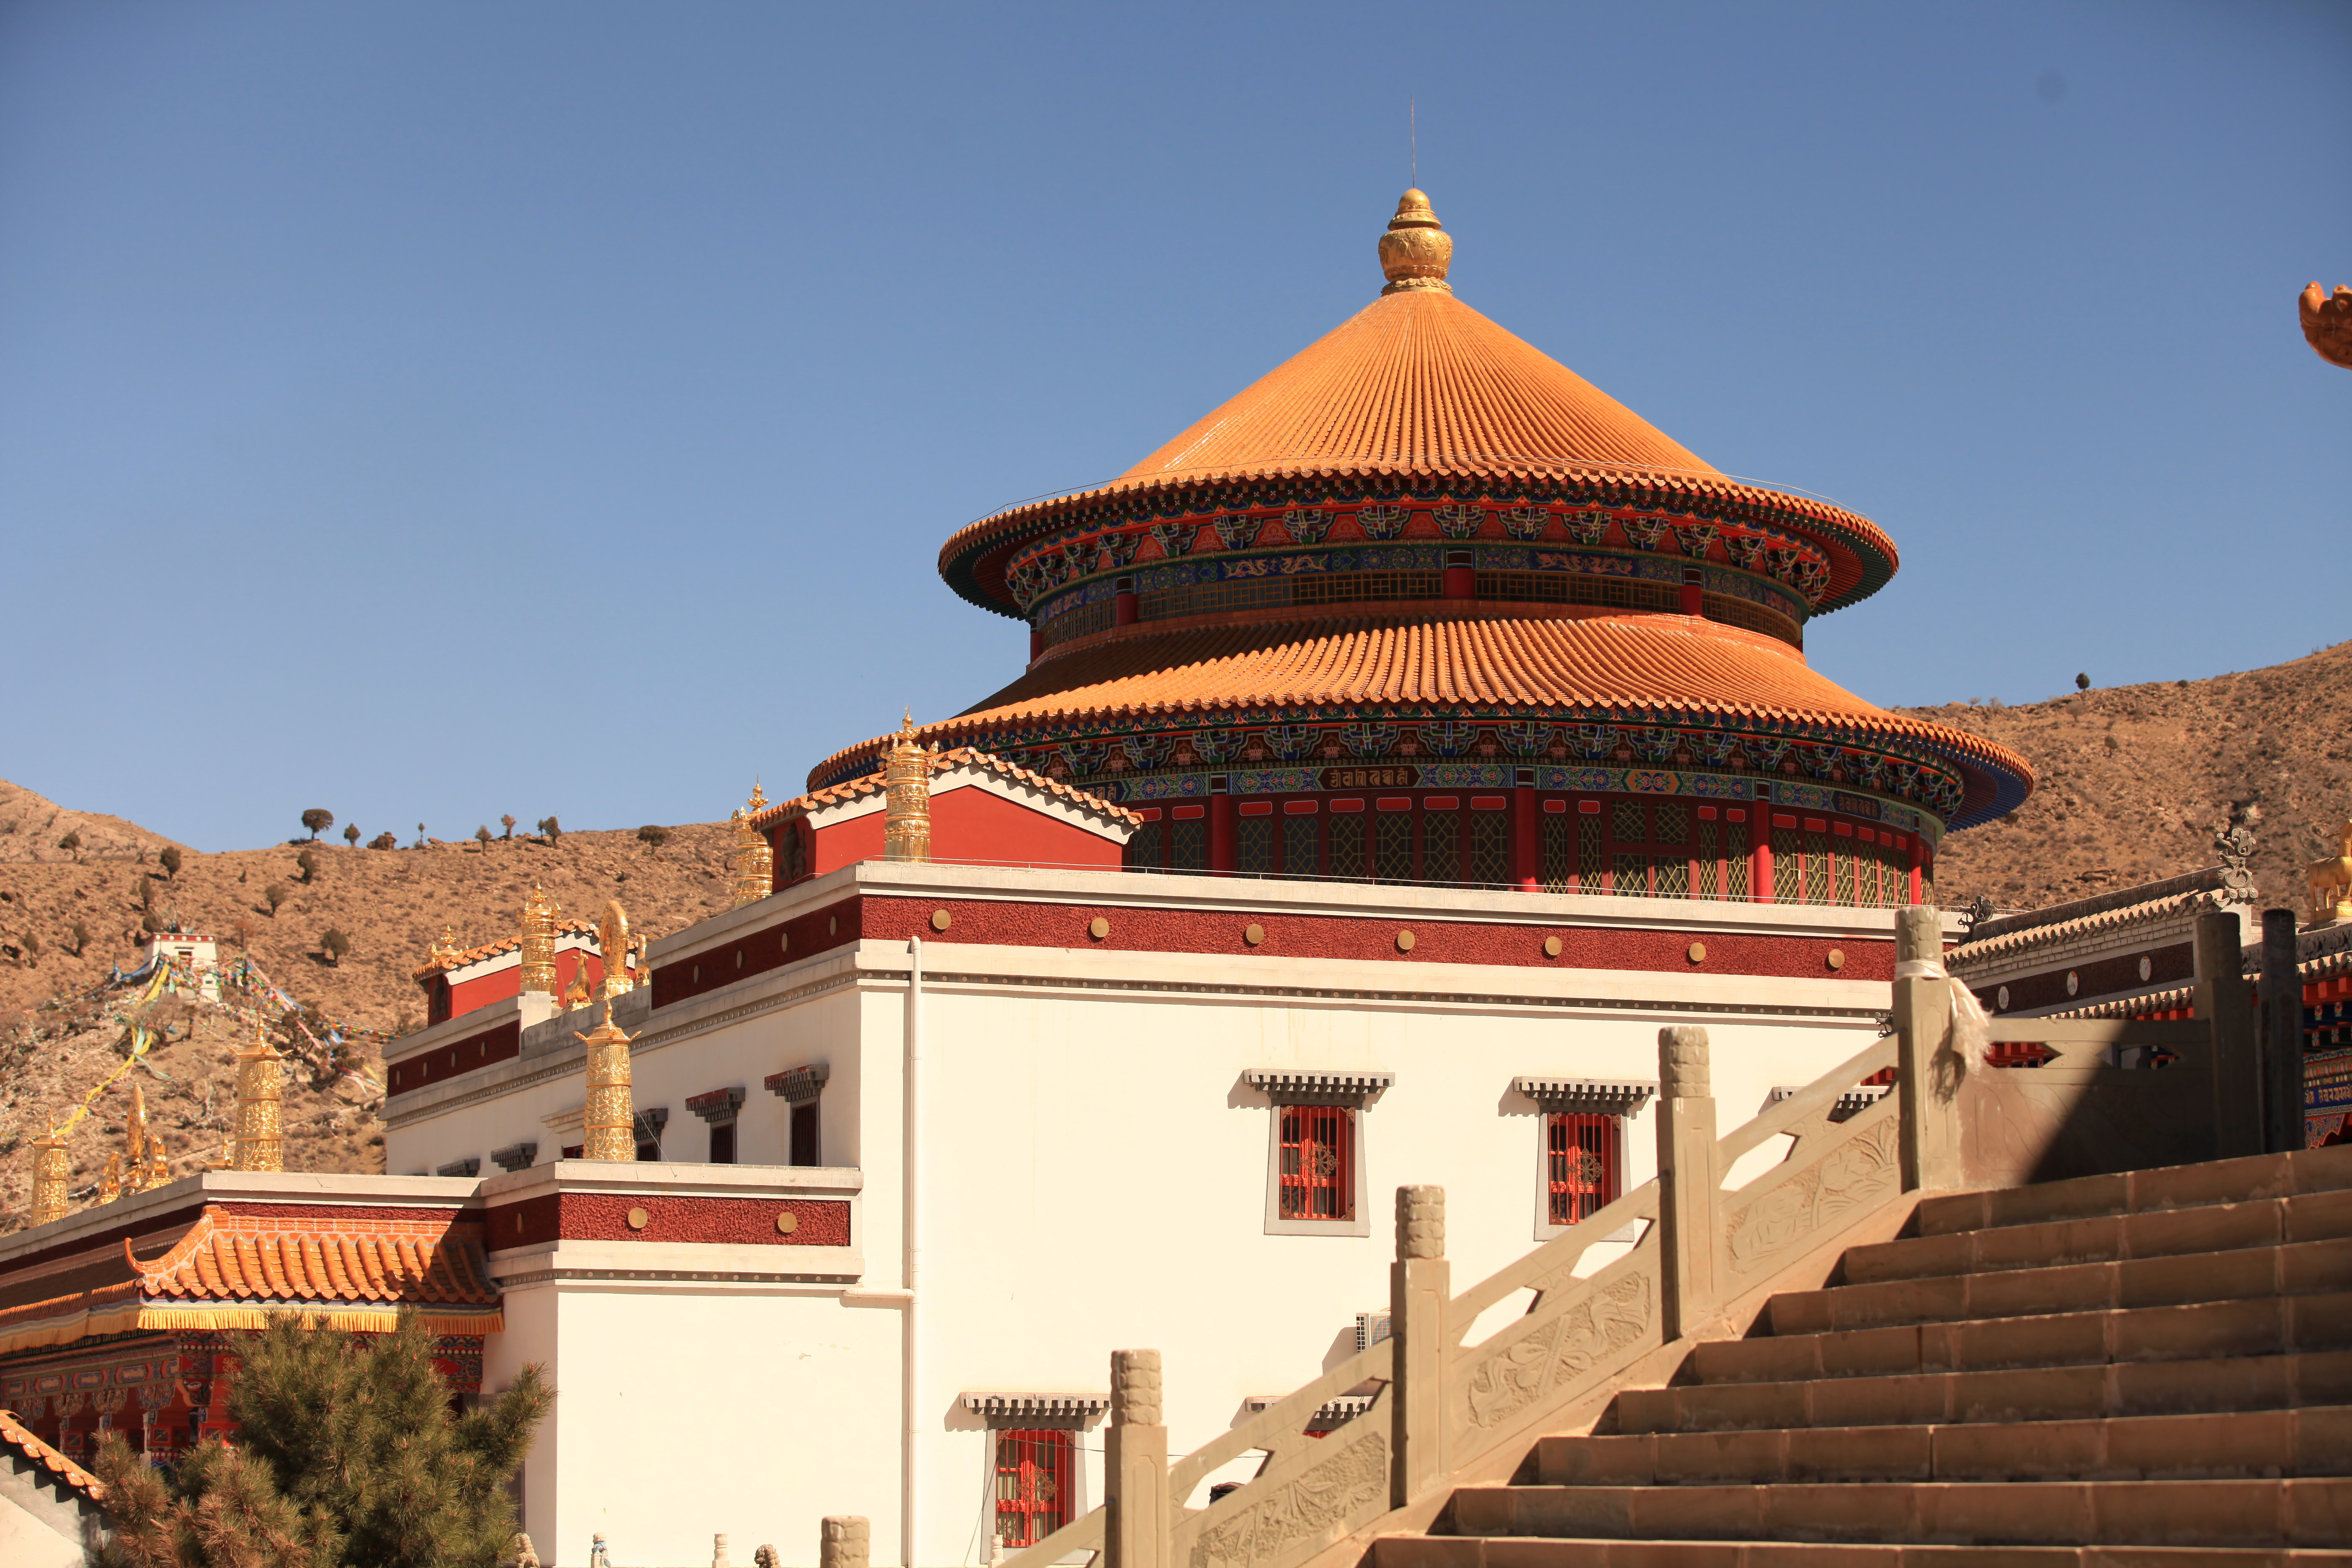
[
  {"x": 1583, "y": 1162},
  {"x": 1034, "y": 1473},
  {"x": 1319, "y": 1162}
]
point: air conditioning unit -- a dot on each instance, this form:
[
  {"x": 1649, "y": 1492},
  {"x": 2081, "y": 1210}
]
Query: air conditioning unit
[{"x": 1372, "y": 1327}]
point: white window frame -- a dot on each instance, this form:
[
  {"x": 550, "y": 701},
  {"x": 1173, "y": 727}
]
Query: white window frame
[
  {"x": 1619, "y": 1098},
  {"x": 1350, "y": 1091}
]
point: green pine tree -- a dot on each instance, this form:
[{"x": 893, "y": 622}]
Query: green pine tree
[{"x": 348, "y": 1455}]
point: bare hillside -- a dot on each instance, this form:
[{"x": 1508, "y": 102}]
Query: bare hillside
[
  {"x": 2135, "y": 779},
  {"x": 32, "y": 828}
]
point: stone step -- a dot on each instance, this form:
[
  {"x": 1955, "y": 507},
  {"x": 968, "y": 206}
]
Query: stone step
[
  {"x": 2254, "y": 1178},
  {"x": 1530, "y": 1551},
  {"x": 2165, "y": 1234},
  {"x": 2221, "y": 1381},
  {"x": 2315, "y": 1512},
  {"x": 2303, "y": 1269},
  {"x": 2252, "y": 1443}
]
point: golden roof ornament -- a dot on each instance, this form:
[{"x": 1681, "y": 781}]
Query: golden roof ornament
[
  {"x": 754, "y": 856},
  {"x": 907, "y": 795},
  {"x": 538, "y": 936},
  {"x": 442, "y": 951},
  {"x": 613, "y": 947},
  {"x": 261, "y": 1138},
  {"x": 1416, "y": 252},
  {"x": 52, "y": 1176},
  {"x": 611, "y": 1116},
  {"x": 2330, "y": 882}
]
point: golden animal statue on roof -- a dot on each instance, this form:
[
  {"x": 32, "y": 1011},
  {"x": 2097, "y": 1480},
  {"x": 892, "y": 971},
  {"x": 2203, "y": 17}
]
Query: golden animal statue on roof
[
  {"x": 2330, "y": 882},
  {"x": 2327, "y": 323},
  {"x": 612, "y": 945}
]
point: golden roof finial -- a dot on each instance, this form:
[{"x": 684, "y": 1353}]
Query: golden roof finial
[
  {"x": 261, "y": 1138},
  {"x": 613, "y": 949},
  {"x": 754, "y": 858},
  {"x": 610, "y": 1117},
  {"x": 906, "y": 796},
  {"x": 538, "y": 937},
  {"x": 52, "y": 1175},
  {"x": 443, "y": 949},
  {"x": 1416, "y": 252}
]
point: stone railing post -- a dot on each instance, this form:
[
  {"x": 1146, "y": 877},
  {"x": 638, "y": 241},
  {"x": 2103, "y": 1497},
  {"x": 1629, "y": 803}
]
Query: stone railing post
[
  {"x": 1135, "y": 1464},
  {"x": 1420, "y": 1285},
  {"x": 1927, "y": 1071},
  {"x": 2227, "y": 1007},
  {"x": 2281, "y": 1036},
  {"x": 1687, "y": 1178},
  {"x": 844, "y": 1541}
]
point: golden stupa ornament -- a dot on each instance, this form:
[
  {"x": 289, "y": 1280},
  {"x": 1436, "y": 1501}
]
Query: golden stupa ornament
[
  {"x": 612, "y": 1113},
  {"x": 1416, "y": 252},
  {"x": 260, "y": 1141},
  {"x": 906, "y": 796},
  {"x": 755, "y": 858},
  {"x": 442, "y": 952},
  {"x": 52, "y": 1176},
  {"x": 539, "y": 942},
  {"x": 146, "y": 1167}
]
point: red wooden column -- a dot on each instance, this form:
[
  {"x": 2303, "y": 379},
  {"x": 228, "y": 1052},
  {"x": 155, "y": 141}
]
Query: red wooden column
[
  {"x": 1461, "y": 577},
  {"x": 1527, "y": 851},
  {"x": 1916, "y": 864},
  {"x": 1220, "y": 830},
  {"x": 1036, "y": 645},
  {"x": 1760, "y": 855},
  {"x": 1694, "y": 591},
  {"x": 1123, "y": 610}
]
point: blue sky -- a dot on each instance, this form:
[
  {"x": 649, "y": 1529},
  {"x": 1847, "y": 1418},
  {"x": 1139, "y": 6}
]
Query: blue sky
[{"x": 430, "y": 412}]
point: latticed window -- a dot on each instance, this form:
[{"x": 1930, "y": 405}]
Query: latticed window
[
  {"x": 1189, "y": 842},
  {"x": 1143, "y": 846},
  {"x": 1033, "y": 1474},
  {"x": 1490, "y": 847},
  {"x": 1348, "y": 846},
  {"x": 1254, "y": 847},
  {"x": 1394, "y": 847},
  {"x": 1628, "y": 823},
  {"x": 1630, "y": 874},
  {"x": 1672, "y": 875},
  {"x": 1817, "y": 867},
  {"x": 1319, "y": 1162},
  {"x": 1588, "y": 852},
  {"x": 1788, "y": 866},
  {"x": 1559, "y": 855},
  {"x": 1301, "y": 854},
  {"x": 1441, "y": 846},
  {"x": 1582, "y": 1163},
  {"x": 1710, "y": 878},
  {"x": 1674, "y": 824},
  {"x": 1849, "y": 867},
  {"x": 1735, "y": 860},
  {"x": 795, "y": 853}
]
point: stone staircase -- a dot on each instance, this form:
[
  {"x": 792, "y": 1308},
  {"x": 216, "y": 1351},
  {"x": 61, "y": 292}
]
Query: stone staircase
[{"x": 2146, "y": 1368}]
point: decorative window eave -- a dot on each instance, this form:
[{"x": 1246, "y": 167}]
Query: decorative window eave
[
  {"x": 515, "y": 1156},
  {"x": 1004, "y": 1409},
  {"x": 1330, "y": 1415},
  {"x": 1351, "y": 1090},
  {"x": 798, "y": 1086},
  {"x": 719, "y": 1107},
  {"x": 1591, "y": 1096}
]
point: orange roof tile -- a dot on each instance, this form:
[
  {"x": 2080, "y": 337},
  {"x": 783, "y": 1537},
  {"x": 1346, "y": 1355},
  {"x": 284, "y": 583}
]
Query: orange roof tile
[
  {"x": 391, "y": 1262},
  {"x": 871, "y": 783},
  {"x": 1665, "y": 662},
  {"x": 17, "y": 1435},
  {"x": 1418, "y": 380}
]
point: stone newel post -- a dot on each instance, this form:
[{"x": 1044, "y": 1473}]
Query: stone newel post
[
  {"x": 1687, "y": 1178},
  {"x": 1135, "y": 1464},
  {"x": 1420, "y": 1285},
  {"x": 2223, "y": 1001},
  {"x": 1929, "y": 1070},
  {"x": 844, "y": 1541}
]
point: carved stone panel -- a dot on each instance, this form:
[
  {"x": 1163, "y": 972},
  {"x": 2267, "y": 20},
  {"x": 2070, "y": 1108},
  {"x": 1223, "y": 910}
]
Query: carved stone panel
[
  {"x": 1593, "y": 1332},
  {"x": 1295, "y": 1517}
]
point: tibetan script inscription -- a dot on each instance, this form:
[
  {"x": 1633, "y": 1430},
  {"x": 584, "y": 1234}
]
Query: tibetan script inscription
[{"x": 1371, "y": 778}]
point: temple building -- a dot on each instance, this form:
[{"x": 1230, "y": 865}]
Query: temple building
[
  {"x": 1423, "y": 605},
  {"x": 1403, "y": 746}
]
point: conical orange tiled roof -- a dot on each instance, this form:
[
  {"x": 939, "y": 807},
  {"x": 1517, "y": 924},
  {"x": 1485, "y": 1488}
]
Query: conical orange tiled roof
[{"x": 1418, "y": 380}]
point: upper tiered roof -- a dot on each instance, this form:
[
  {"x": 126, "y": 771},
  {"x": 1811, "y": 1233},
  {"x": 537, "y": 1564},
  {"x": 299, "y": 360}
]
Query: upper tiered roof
[{"x": 1418, "y": 383}]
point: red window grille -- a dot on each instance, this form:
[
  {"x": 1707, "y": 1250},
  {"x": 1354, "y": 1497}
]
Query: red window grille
[
  {"x": 1319, "y": 1162},
  {"x": 1583, "y": 1162},
  {"x": 1033, "y": 1471}
]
